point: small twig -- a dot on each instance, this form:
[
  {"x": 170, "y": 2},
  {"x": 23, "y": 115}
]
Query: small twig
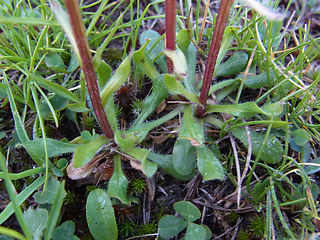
[
  {"x": 237, "y": 224},
  {"x": 141, "y": 236},
  {"x": 204, "y": 22},
  {"x": 236, "y": 159},
  {"x": 246, "y": 168}
]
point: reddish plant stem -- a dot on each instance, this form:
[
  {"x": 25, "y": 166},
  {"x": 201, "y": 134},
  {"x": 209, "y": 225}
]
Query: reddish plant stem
[
  {"x": 220, "y": 26},
  {"x": 87, "y": 65},
  {"x": 170, "y": 7}
]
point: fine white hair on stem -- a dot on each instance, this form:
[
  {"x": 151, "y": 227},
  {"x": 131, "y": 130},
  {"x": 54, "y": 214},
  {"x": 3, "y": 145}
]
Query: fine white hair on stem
[{"x": 263, "y": 10}]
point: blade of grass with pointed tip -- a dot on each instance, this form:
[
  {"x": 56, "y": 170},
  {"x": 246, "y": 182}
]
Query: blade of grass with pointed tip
[
  {"x": 11, "y": 191},
  {"x": 55, "y": 211},
  {"x": 96, "y": 16},
  {"x": 24, "y": 174},
  {"x": 19, "y": 126},
  {"x": 53, "y": 112},
  {"x": 99, "y": 52},
  {"x": 28, "y": 21},
  {"x": 43, "y": 131},
  {"x": 21, "y": 197},
  {"x": 56, "y": 88},
  {"x": 11, "y": 233}
]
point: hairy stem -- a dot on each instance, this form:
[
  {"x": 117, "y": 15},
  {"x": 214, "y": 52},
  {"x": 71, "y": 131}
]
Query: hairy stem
[
  {"x": 170, "y": 6},
  {"x": 221, "y": 22},
  {"x": 87, "y": 65}
]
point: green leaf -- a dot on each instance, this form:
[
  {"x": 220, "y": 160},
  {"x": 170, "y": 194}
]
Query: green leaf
[
  {"x": 311, "y": 169},
  {"x": 190, "y": 129},
  {"x": 235, "y": 64},
  {"x": 184, "y": 157},
  {"x": 73, "y": 64},
  {"x": 3, "y": 93},
  {"x": 57, "y": 102},
  {"x": 54, "y": 61},
  {"x": 273, "y": 109},
  {"x": 37, "y": 221},
  {"x": 127, "y": 139},
  {"x": 154, "y": 47},
  {"x": 183, "y": 40},
  {"x": 191, "y": 56},
  {"x": 85, "y": 152},
  {"x": 272, "y": 151},
  {"x": 170, "y": 226},
  {"x": 246, "y": 110},
  {"x": 148, "y": 167},
  {"x": 159, "y": 92},
  {"x": 187, "y": 210},
  {"x": 144, "y": 63},
  {"x": 259, "y": 188},
  {"x": 56, "y": 88},
  {"x": 176, "y": 87},
  {"x": 208, "y": 165},
  {"x": 64, "y": 232},
  {"x": 119, "y": 77},
  {"x": 110, "y": 110},
  {"x": 166, "y": 163},
  {"x": 222, "y": 84},
  {"x": 195, "y": 231},
  {"x": 55, "y": 148},
  {"x": 55, "y": 210},
  {"x": 300, "y": 137},
  {"x": 118, "y": 184},
  {"x": 22, "y": 196},
  {"x": 208, "y": 232},
  {"x": 100, "y": 216},
  {"x": 103, "y": 73},
  {"x": 49, "y": 194},
  {"x": 227, "y": 39},
  {"x": 141, "y": 130},
  {"x": 78, "y": 107},
  {"x": 260, "y": 80}
]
